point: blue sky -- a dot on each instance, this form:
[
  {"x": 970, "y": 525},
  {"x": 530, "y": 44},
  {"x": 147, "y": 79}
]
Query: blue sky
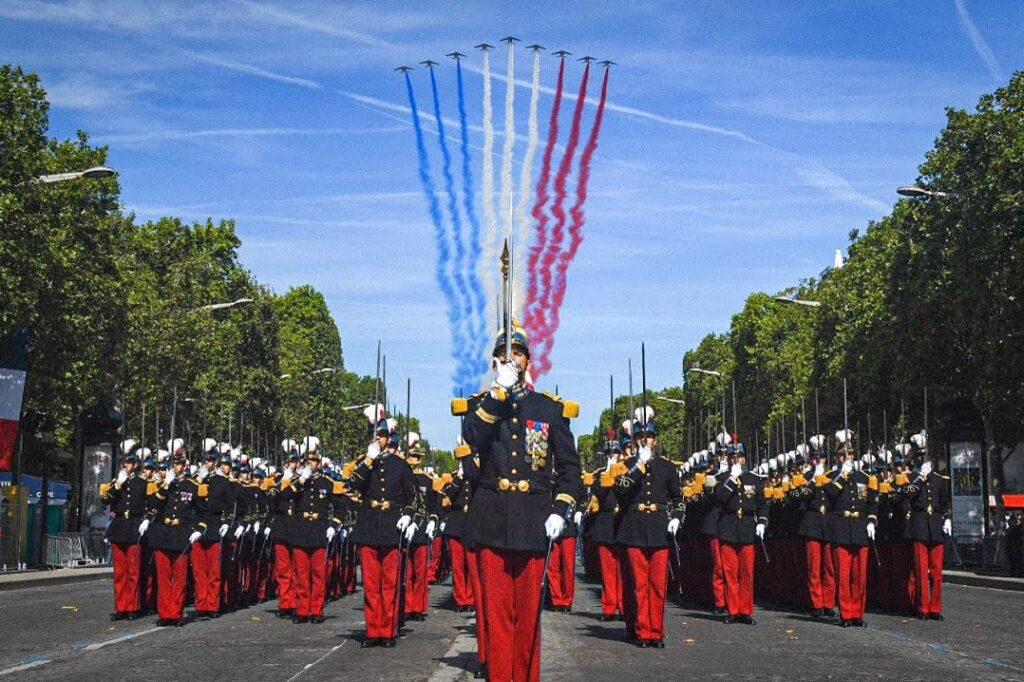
[{"x": 742, "y": 142}]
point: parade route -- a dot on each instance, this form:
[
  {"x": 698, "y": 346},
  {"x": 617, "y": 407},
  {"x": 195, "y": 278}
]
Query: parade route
[{"x": 63, "y": 632}]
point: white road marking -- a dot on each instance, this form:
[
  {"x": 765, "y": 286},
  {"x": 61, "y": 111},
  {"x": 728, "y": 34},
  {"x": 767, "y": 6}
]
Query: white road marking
[
  {"x": 310, "y": 665},
  {"x": 25, "y": 666},
  {"x": 95, "y": 646}
]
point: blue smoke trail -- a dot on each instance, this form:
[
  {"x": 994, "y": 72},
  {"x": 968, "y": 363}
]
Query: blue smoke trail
[
  {"x": 479, "y": 341},
  {"x": 465, "y": 304},
  {"x": 443, "y": 255}
]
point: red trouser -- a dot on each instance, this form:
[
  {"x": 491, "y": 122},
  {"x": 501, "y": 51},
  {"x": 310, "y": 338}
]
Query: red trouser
[
  {"x": 206, "y": 575},
  {"x": 127, "y": 560},
  {"x": 511, "y": 606},
  {"x": 473, "y": 557},
  {"x": 380, "y": 590},
  {"x": 928, "y": 576},
  {"x": 738, "y": 569},
  {"x": 417, "y": 588},
  {"x": 821, "y": 577},
  {"x": 462, "y": 587},
  {"x": 171, "y": 576},
  {"x": 717, "y": 576},
  {"x": 648, "y": 571},
  {"x": 284, "y": 576},
  {"x": 435, "y": 559},
  {"x": 562, "y": 571},
  {"x": 611, "y": 579},
  {"x": 852, "y": 569},
  {"x": 310, "y": 580}
]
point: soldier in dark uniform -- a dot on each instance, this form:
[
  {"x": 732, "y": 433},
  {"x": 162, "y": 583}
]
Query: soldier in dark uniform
[
  {"x": 281, "y": 520},
  {"x": 215, "y": 511},
  {"x": 177, "y": 526},
  {"x": 601, "y": 531},
  {"x": 713, "y": 510},
  {"x": 813, "y": 528},
  {"x": 650, "y": 511},
  {"x": 742, "y": 521},
  {"x": 417, "y": 590},
  {"x": 929, "y": 520},
  {"x": 853, "y": 501},
  {"x": 315, "y": 525},
  {"x": 528, "y": 486},
  {"x": 130, "y": 518},
  {"x": 459, "y": 493},
  {"x": 387, "y": 488}
]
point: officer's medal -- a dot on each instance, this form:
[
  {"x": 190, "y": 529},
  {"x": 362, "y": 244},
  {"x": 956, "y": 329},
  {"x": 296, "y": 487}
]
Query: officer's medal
[{"x": 536, "y": 444}]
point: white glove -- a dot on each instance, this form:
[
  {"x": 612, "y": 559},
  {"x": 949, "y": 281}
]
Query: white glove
[
  {"x": 122, "y": 476},
  {"x": 238, "y": 532},
  {"x": 611, "y": 463},
  {"x": 736, "y": 471},
  {"x": 947, "y": 527},
  {"x": 759, "y": 530},
  {"x": 440, "y": 528},
  {"x": 256, "y": 528},
  {"x": 554, "y": 526},
  {"x": 847, "y": 467},
  {"x": 645, "y": 453},
  {"x": 342, "y": 534},
  {"x": 673, "y": 526},
  {"x": 577, "y": 518},
  {"x": 410, "y": 532},
  {"x": 266, "y": 532},
  {"x": 461, "y": 472},
  {"x": 202, "y": 473},
  {"x": 168, "y": 477},
  {"x": 723, "y": 466},
  {"x": 195, "y": 536},
  {"x": 507, "y": 375},
  {"x": 330, "y": 533},
  {"x": 143, "y": 526},
  {"x": 223, "y": 529},
  {"x": 819, "y": 469},
  {"x": 106, "y": 541},
  {"x": 372, "y": 451},
  {"x": 304, "y": 474},
  {"x": 431, "y": 527},
  {"x": 926, "y": 468},
  {"x": 286, "y": 476},
  {"x": 403, "y": 523},
  {"x": 871, "y": 530}
]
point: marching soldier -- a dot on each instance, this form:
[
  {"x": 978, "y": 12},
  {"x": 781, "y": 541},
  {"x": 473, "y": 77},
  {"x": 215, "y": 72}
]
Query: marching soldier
[
  {"x": 314, "y": 527},
  {"x": 742, "y": 522},
  {"x": 928, "y": 521},
  {"x": 458, "y": 491},
  {"x": 281, "y": 520},
  {"x": 215, "y": 509},
  {"x": 131, "y": 516},
  {"x": 528, "y": 486},
  {"x": 388, "y": 491},
  {"x": 602, "y": 533},
  {"x": 814, "y": 529},
  {"x": 176, "y": 528},
  {"x": 417, "y": 590},
  {"x": 712, "y": 512},
  {"x": 651, "y": 503},
  {"x": 853, "y": 501}
]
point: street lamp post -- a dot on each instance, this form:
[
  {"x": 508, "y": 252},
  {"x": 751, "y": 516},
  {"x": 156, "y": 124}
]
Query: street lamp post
[
  {"x": 918, "y": 192},
  {"x": 94, "y": 173},
  {"x": 789, "y": 300}
]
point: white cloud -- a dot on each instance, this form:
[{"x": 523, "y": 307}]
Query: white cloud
[
  {"x": 172, "y": 134},
  {"x": 980, "y": 46},
  {"x": 252, "y": 70}
]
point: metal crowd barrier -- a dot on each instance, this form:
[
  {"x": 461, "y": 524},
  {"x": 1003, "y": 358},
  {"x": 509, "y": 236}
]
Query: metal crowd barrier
[{"x": 70, "y": 550}]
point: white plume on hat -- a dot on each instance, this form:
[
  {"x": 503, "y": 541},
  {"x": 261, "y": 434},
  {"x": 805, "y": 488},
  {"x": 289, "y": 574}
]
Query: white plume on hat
[
  {"x": 209, "y": 444},
  {"x": 128, "y": 445},
  {"x": 256, "y": 462},
  {"x": 904, "y": 449},
  {"x": 175, "y": 444},
  {"x": 627, "y": 427},
  {"x": 412, "y": 438},
  {"x": 790, "y": 456},
  {"x": 773, "y": 464},
  {"x": 326, "y": 463},
  {"x": 844, "y": 436},
  {"x": 236, "y": 453},
  {"x": 145, "y": 452},
  {"x": 724, "y": 438},
  {"x": 817, "y": 441},
  {"x": 374, "y": 413},
  {"x": 802, "y": 449},
  {"x": 192, "y": 469},
  {"x": 224, "y": 448},
  {"x": 289, "y": 444},
  {"x": 161, "y": 455},
  {"x": 638, "y": 414},
  {"x": 920, "y": 439},
  {"x": 392, "y": 424},
  {"x": 885, "y": 455}
]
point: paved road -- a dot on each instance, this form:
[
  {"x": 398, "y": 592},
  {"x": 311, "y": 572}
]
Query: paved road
[{"x": 63, "y": 632}]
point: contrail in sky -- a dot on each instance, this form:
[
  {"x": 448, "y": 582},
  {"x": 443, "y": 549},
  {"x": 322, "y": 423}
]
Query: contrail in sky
[
  {"x": 505, "y": 205},
  {"x": 486, "y": 264},
  {"x": 522, "y": 209}
]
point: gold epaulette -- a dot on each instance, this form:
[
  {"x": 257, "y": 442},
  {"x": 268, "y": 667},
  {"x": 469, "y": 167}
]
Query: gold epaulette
[
  {"x": 445, "y": 502},
  {"x": 446, "y": 478},
  {"x": 462, "y": 450},
  {"x": 873, "y": 483},
  {"x": 821, "y": 480},
  {"x": 339, "y": 488},
  {"x": 267, "y": 484},
  {"x": 885, "y": 487},
  {"x": 460, "y": 406},
  {"x": 618, "y": 469},
  {"x": 687, "y": 491},
  {"x": 204, "y": 489},
  {"x": 588, "y": 478},
  {"x": 104, "y": 489},
  {"x": 785, "y": 486},
  {"x": 902, "y": 479},
  {"x": 570, "y": 408},
  {"x": 769, "y": 492},
  {"x": 698, "y": 479},
  {"x": 779, "y": 493},
  {"x": 437, "y": 484},
  {"x": 346, "y": 471},
  {"x": 607, "y": 480},
  {"x": 798, "y": 480},
  {"x": 152, "y": 488}
]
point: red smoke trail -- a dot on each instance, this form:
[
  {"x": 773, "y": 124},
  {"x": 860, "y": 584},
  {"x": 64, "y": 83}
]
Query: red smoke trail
[
  {"x": 532, "y": 306},
  {"x": 575, "y": 233},
  {"x": 543, "y": 331}
]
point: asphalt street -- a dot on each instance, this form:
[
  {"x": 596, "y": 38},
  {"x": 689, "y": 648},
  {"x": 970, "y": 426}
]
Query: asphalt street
[{"x": 63, "y": 632}]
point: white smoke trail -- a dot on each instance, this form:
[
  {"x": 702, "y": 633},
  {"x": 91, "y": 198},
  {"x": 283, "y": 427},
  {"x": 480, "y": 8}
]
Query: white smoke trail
[
  {"x": 488, "y": 264},
  {"x": 524, "y": 219},
  {"x": 505, "y": 205}
]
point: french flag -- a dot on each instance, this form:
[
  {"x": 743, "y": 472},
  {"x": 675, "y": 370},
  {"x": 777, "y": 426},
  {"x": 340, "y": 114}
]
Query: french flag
[{"x": 13, "y": 369}]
